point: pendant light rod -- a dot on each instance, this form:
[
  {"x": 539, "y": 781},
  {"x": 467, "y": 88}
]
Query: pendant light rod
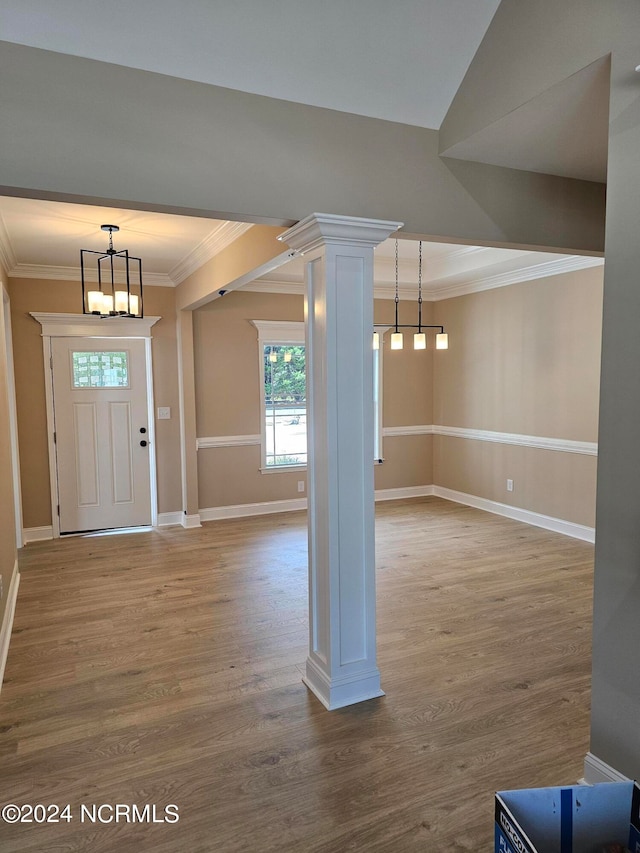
[
  {"x": 420, "y": 286},
  {"x": 397, "y": 298}
]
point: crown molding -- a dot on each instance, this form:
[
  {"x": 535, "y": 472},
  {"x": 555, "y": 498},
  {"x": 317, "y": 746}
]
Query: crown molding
[
  {"x": 7, "y": 257},
  {"x": 153, "y": 279},
  {"x": 562, "y": 265},
  {"x": 431, "y": 292},
  {"x": 213, "y": 243}
]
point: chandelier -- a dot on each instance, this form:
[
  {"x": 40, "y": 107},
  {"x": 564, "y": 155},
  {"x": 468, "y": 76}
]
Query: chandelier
[{"x": 118, "y": 276}]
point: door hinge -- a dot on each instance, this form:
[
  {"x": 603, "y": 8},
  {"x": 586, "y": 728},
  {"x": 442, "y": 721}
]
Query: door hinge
[
  {"x": 58, "y": 510},
  {"x": 55, "y": 438},
  {"x": 51, "y": 362}
]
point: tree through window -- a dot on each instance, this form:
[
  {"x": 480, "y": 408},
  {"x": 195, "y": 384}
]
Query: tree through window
[{"x": 285, "y": 405}]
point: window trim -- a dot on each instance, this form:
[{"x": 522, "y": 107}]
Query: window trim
[
  {"x": 274, "y": 333},
  {"x": 292, "y": 332}
]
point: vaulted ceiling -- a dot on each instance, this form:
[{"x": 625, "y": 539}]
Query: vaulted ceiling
[{"x": 401, "y": 63}]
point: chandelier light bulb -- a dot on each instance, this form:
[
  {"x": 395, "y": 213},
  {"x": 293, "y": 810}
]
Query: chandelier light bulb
[
  {"x": 442, "y": 341},
  {"x": 420, "y": 340},
  {"x": 397, "y": 340}
]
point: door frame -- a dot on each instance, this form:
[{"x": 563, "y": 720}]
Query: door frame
[
  {"x": 13, "y": 415},
  {"x": 88, "y": 326}
]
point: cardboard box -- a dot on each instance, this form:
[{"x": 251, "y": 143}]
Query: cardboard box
[{"x": 579, "y": 819}]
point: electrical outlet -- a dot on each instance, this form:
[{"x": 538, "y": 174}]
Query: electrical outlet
[
  {"x": 301, "y": 485},
  {"x": 509, "y": 485},
  {"x": 164, "y": 413}
]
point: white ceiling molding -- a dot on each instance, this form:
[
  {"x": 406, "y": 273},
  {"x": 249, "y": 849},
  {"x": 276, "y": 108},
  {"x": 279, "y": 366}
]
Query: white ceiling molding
[
  {"x": 435, "y": 293},
  {"x": 7, "y": 256},
  {"x": 208, "y": 248},
  {"x": 152, "y": 279}
]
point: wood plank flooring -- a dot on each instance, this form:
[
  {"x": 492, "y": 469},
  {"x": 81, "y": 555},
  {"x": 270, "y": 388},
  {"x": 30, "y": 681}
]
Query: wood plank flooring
[{"x": 165, "y": 667}]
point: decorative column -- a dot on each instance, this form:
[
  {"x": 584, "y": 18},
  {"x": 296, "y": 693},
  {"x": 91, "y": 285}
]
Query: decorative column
[{"x": 338, "y": 253}]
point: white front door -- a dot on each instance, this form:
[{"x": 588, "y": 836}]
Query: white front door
[{"x": 102, "y": 433}]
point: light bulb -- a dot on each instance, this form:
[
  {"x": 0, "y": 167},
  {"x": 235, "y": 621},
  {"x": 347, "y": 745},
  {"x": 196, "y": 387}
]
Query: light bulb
[
  {"x": 94, "y": 301},
  {"x": 122, "y": 303},
  {"x": 134, "y": 303},
  {"x": 107, "y": 303},
  {"x": 419, "y": 340},
  {"x": 442, "y": 341},
  {"x": 376, "y": 340},
  {"x": 396, "y": 340}
]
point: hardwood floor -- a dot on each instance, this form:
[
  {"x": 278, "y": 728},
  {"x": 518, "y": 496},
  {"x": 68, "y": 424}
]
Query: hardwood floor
[{"x": 164, "y": 667}]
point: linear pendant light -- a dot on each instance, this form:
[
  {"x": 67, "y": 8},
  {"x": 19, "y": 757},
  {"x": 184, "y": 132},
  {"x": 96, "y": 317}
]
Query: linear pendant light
[{"x": 419, "y": 337}]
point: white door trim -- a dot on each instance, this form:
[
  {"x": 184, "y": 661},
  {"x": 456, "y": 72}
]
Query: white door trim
[
  {"x": 88, "y": 326},
  {"x": 13, "y": 417}
]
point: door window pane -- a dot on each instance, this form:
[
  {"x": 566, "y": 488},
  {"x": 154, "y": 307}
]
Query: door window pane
[{"x": 100, "y": 369}]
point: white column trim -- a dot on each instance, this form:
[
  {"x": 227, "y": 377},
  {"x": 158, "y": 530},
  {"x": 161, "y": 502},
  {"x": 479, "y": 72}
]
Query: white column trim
[
  {"x": 341, "y": 666},
  {"x": 317, "y": 229}
]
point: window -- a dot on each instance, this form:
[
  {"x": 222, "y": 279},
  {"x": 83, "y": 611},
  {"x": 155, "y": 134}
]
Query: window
[
  {"x": 285, "y": 405},
  {"x": 100, "y": 369},
  {"x": 283, "y": 395}
]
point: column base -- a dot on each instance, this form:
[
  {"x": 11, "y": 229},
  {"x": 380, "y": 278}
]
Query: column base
[{"x": 340, "y": 692}]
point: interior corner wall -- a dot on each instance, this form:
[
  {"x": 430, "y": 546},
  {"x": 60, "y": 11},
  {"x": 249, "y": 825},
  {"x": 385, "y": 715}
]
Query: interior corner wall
[
  {"x": 8, "y": 552},
  {"x": 228, "y": 403},
  {"x": 524, "y": 360},
  {"x": 38, "y": 295}
]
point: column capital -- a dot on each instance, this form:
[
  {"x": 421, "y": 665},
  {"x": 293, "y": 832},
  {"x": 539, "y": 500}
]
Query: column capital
[{"x": 318, "y": 229}]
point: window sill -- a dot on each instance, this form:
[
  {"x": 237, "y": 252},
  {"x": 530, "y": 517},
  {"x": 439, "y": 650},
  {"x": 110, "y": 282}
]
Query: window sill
[{"x": 279, "y": 469}]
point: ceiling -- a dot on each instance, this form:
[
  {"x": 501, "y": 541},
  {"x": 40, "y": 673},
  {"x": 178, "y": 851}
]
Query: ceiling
[
  {"x": 42, "y": 239},
  {"x": 402, "y": 62}
]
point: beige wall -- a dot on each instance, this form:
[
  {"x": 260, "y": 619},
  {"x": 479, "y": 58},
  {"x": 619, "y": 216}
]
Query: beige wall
[
  {"x": 228, "y": 401},
  {"x": 63, "y": 297},
  {"x": 523, "y": 359},
  {"x": 8, "y": 552}
]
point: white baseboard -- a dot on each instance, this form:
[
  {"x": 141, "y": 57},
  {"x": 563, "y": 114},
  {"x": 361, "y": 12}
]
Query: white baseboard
[
  {"x": 190, "y": 521},
  {"x": 7, "y": 622},
  {"x": 406, "y": 492},
  {"x": 37, "y": 534},
  {"x": 596, "y": 770},
  {"x": 169, "y": 519},
  {"x": 214, "y": 513},
  {"x": 558, "y": 525}
]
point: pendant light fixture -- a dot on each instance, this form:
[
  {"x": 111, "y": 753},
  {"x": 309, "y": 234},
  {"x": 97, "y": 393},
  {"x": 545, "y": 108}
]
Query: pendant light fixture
[
  {"x": 119, "y": 281},
  {"x": 419, "y": 337},
  {"x": 397, "y": 340}
]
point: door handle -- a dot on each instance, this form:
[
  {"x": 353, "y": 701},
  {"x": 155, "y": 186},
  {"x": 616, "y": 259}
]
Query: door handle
[{"x": 143, "y": 443}]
